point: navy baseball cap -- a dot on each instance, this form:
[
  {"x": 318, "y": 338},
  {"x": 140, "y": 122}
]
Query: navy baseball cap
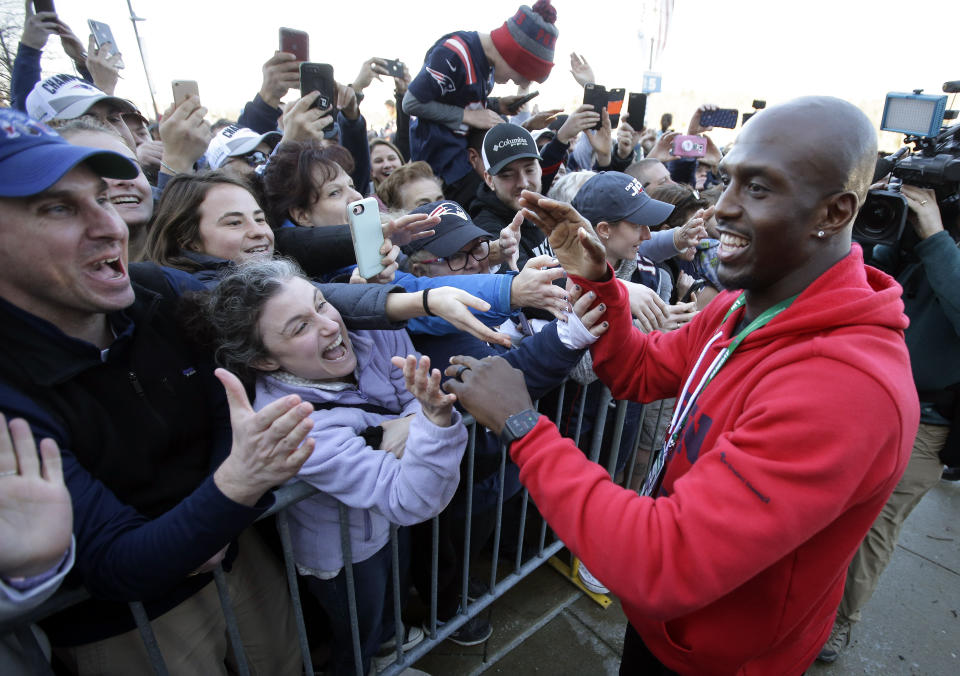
[
  {"x": 33, "y": 157},
  {"x": 505, "y": 143},
  {"x": 613, "y": 196},
  {"x": 454, "y": 231}
]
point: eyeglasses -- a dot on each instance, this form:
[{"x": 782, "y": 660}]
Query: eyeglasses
[
  {"x": 458, "y": 260},
  {"x": 255, "y": 159}
]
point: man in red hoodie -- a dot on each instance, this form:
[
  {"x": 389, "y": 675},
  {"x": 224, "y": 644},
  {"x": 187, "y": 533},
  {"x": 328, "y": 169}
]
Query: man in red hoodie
[{"x": 795, "y": 417}]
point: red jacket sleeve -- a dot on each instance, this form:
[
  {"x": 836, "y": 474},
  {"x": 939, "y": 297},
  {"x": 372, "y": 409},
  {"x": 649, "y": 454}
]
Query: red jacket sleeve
[
  {"x": 780, "y": 471},
  {"x": 637, "y": 366}
]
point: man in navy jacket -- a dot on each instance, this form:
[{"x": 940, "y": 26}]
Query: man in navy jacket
[{"x": 160, "y": 481}]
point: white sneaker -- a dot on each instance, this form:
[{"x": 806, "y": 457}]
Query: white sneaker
[
  {"x": 589, "y": 581},
  {"x": 411, "y": 637}
]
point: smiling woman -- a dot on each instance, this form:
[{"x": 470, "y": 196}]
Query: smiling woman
[
  {"x": 133, "y": 198},
  {"x": 205, "y": 221},
  {"x": 309, "y": 185},
  {"x": 388, "y": 442}
]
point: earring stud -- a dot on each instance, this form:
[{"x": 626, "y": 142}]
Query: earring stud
[{"x": 820, "y": 233}]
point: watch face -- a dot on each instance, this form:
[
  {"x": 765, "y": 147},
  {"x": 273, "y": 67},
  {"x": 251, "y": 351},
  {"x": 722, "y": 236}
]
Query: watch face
[{"x": 518, "y": 425}]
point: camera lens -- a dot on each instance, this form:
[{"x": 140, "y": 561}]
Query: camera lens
[{"x": 357, "y": 209}]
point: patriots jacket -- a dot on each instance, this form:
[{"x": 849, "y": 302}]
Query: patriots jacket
[{"x": 455, "y": 72}]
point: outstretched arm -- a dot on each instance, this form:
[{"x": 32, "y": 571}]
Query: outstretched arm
[{"x": 571, "y": 236}]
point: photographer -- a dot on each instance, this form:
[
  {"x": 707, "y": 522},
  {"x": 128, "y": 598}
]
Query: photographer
[{"x": 928, "y": 268}]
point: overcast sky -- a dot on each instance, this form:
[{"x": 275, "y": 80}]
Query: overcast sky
[{"x": 726, "y": 52}]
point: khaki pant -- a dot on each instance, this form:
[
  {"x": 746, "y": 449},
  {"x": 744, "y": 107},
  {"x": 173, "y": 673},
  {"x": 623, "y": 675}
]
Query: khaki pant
[
  {"x": 193, "y": 635},
  {"x": 922, "y": 473}
]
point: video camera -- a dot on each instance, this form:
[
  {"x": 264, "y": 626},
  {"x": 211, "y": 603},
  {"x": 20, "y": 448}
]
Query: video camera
[{"x": 934, "y": 163}]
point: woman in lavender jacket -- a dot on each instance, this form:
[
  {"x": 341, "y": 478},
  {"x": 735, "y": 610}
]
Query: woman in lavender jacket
[{"x": 388, "y": 441}]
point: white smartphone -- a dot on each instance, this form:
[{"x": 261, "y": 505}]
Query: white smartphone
[
  {"x": 367, "y": 236},
  {"x": 102, "y": 35},
  {"x": 182, "y": 89}
]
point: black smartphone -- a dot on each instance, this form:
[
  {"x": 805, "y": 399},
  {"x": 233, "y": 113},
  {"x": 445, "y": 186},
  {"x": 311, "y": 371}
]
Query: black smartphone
[
  {"x": 43, "y": 6},
  {"x": 637, "y": 110},
  {"x": 318, "y": 77},
  {"x": 694, "y": 288},
  {"x": 595, "y": 95},
  {"x": 295, "y": 42},
  {"x": 519, "y": 103},
  {"x": 615, "y": 105},
  {"x": 721, "y": 117},
  {"x": 394, "y": 67}
]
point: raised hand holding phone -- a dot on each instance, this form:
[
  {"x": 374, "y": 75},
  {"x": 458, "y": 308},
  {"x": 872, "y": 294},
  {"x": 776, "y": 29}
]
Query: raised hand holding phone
[
  {"x": 367, "y": 235},
  {"x": 318, "y": 77},
  {"x": 295, "y": 42},
  {"x": 103, "y": 37}
]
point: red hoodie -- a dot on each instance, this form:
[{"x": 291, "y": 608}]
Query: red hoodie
[{"x": 737, "y": 567}]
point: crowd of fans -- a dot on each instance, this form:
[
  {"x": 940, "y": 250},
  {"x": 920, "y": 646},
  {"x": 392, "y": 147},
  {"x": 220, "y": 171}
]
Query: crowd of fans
[{"x": 138, "y": 256}]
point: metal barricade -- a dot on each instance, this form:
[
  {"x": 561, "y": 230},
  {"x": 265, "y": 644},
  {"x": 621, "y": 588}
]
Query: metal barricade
[{"x": 436, "y": 632}]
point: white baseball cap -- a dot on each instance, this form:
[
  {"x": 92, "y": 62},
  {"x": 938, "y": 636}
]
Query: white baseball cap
[
  {"x": 235, "y": 140},
  {"x": 64, "y": 97}
]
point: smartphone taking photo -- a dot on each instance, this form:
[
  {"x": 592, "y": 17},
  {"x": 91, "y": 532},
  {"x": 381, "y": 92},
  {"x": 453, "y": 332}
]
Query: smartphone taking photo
[
  {"x": 295, "y": 42},
  {"x": 615, "y": 105},
  {"x": 367, "y": 236},
  {"x": 689, "y": 146},
  {"x": 521, "y": 102},
  {"x": 394, "y": 67},
  {"x": 596, "y": 96},
  {"x": 637, "y": 110},
  {"x": 182, "y": 89},
  {"x": 102, "y": 35},
  {"x": 721, "y": 117},
  {"x": 318, "y": 77}
]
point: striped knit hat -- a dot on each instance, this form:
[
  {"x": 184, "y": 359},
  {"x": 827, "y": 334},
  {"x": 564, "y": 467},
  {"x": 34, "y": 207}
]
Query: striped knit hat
[{"x": 526, "y": 40}]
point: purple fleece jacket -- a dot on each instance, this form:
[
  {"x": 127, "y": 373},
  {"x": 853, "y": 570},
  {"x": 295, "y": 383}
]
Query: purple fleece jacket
[{"x": 377, "y": 488}]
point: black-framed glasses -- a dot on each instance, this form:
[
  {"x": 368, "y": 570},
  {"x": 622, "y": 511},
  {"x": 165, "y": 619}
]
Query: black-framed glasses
[
  {"x": 256, "y": 158},
  {"x": 458, "y": 260}
]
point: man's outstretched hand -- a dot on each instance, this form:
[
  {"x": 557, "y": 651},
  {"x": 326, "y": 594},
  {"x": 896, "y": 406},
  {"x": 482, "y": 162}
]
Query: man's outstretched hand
[
  {"x": 571, "y": 236},
  {"x": 490, "y": 389}
]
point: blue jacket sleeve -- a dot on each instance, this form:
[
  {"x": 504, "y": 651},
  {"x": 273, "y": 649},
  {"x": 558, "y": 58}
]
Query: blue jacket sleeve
[
  {"x": 259, "y": 116},
  {"x": 362, "y": 306},
  {"x": 353, "y": 137},
  {"x": 544, "y": 360},
  {"x": 659, "y": 247},
  {"x": 495, "y": 289},
  {"x": 26, "y": 73},
  {"x": 683, "y": 170},
  {"x": 121, "y": 555},
  {"x": 436, "y": 78}
]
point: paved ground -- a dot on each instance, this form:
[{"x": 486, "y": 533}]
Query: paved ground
[{"x": 911, "y": 626}]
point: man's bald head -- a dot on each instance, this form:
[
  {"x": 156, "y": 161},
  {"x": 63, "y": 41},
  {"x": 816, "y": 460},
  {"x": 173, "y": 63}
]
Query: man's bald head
[
  {"x": 832, "y": 137},
  {"x": 650, "y": 172}
]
